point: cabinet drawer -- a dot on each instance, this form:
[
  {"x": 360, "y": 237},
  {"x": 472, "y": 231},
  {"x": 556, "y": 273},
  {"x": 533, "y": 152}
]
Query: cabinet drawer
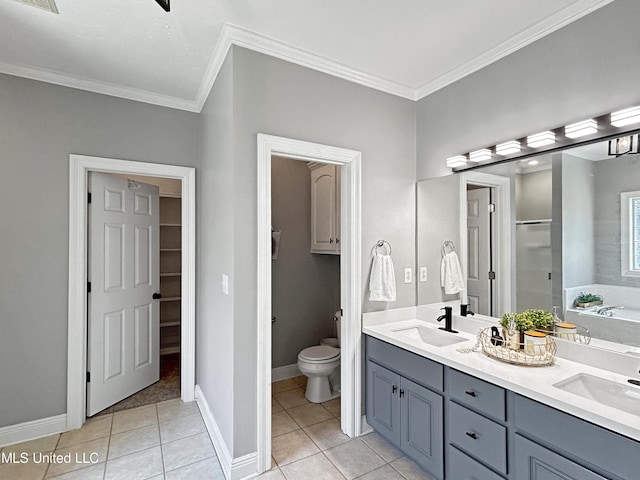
[
  {"x": 478, "y": 436},
  {"x": 482, "y": 396},
  {"x": 463, "y": 467},
  {"x": 419, "y": 369}
]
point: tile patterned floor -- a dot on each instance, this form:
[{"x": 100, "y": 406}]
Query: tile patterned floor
[
  {"x": 307, "y": 443},
  {"x": 169, "y": 441},
  {"x": 163, "y": 441}
]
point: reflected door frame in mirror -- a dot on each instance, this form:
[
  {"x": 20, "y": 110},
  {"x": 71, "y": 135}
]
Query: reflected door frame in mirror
[{"x": 503, "y": 234}]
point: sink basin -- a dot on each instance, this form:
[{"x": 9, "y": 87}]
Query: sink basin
[
  {"x": 431, "y": 336},
  {"x": 614, "y": 394}
]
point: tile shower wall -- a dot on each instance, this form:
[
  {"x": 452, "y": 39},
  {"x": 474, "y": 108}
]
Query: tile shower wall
[{"x": 306, "y": 286}]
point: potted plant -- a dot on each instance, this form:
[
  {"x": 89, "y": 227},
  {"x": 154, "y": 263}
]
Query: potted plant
[
  {"x": 586, "y": 300},
  {"x": 532, "y": 319}
]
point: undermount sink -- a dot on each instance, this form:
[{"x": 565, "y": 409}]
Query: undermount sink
[
  {"x": 613, "y": 394},
  {"x": 431, "y": 336}
]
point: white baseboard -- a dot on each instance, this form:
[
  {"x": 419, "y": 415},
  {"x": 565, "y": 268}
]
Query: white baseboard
[
  {"x": 287, "y": 371},
  {"x": 23, "y": 432},
  {"x": 365, "y": 427},
  {"x": 233, "y": 468}
]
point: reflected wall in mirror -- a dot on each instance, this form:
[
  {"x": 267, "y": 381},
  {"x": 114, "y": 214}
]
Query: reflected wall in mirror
[{"x": 573, "y": 226}]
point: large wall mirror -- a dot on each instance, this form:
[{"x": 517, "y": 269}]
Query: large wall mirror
[{"x": 571, "y": 226}]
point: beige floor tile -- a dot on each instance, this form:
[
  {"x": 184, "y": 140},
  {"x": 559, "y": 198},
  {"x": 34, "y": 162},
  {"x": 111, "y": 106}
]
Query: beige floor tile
[
  {"x": 410, "y": 470},
  {"x": 327, "y": 434},
  {"x": 273, "y": 474},
  {"x": 316, "y": 467},
  {"x": 94, "y": 472},
  {"x": 95, "y": 450},
  {"x": 292, "y": 446},
  {"x": 275, "y": 406},
  {"x": 282, "y": 423},
  {"x": 309, "y": 414},
  {"x": 187, "y": 451},
  {"x": 97, "y": 427},
  {"x": 209, "y": 469},
  {"x": 45, "y": 444},
  {"x": 176, "y": 408},
  {"x": 382, "y": 447},
  {"x": 301, "y": 381},
  {"x": 283, "y": 385},
  {"x": 291, "y": 398},
  {"x": 139, "y": 465},
  {"x": 134, "y": 418},
  {"x": 333, "y": 406},
  {"x": 354, "y": 458},
  {"x": 22, "y": 471},
  {"x": 383, "y": 473},
  {"x": 133, "y": 441},
  {"x": 181, "y": 427}
]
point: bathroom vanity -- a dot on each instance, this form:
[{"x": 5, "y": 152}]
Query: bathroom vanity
[{"x": 465, "y": 416}]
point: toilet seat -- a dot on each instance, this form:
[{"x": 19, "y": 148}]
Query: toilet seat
[{"x": 319, "y": 354}]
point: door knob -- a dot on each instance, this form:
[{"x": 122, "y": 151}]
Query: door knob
[{"x": 156, "y": 296}]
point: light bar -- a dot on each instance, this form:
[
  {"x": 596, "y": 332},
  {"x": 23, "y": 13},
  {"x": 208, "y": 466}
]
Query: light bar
[
  {"x": 457, "y": 161},
  {"x": 580, "y": 129},
  {"x": 625, "y": 117},
  {"x": 508, "y": 148},
  {"x": 541, "y": 139},
  {"x": 480, "y": 155}
]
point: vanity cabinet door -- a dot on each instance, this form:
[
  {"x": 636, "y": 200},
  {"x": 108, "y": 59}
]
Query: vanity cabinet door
[
  {"x": 383, "y": 402},
  {"x": 422, "y": 426},
  {"x": 534, "y": 462}
]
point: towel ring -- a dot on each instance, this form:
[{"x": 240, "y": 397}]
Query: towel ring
[
  {"x": 381, "y": 243},
  {"x": 448, "y": 244}
]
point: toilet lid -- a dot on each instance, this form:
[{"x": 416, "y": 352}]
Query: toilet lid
[{"x": 319, "y": 352}]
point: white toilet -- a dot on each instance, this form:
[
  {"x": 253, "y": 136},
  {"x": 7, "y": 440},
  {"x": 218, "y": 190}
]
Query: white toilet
[{"x": 321, "y": 365}]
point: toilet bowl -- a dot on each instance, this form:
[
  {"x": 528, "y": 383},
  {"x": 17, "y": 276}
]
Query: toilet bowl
[{"x": 319, "y": 363}]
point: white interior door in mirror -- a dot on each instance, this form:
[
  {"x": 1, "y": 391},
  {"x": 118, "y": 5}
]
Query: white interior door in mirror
[
  {"x": 479, "y": 250},
  {"x": 123, "y": 353}
]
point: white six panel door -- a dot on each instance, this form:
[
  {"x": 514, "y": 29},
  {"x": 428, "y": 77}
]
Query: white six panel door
[
  {"x": 478, "y": 250},
  {"x": 123, "y": 350}
]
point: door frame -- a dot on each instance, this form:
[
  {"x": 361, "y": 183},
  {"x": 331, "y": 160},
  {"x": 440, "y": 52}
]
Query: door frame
[
  {"x": 80, "y": 166},
  {"x": 350, "y": 281},
  {"x": 502, "y": 232}
]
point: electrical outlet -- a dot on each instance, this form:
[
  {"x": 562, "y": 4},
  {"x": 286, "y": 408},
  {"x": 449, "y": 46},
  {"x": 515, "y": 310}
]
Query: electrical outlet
[
  {"x": 225, "y": 284},
  {"x": 408, "y": 275},
  {"x": 423, "y": 274}
]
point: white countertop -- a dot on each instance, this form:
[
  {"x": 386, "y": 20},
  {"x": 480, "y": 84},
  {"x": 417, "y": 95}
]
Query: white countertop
[{"x": 532, "y": 382}]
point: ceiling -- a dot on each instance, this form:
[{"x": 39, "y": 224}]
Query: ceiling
[{"x": 133, "y": 49}]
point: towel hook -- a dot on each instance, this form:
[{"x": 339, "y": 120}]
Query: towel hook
[
  {"x": 382, "y": 243},
  {"x": 448, "y": 244}
]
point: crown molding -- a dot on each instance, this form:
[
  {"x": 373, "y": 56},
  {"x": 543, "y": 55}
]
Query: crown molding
[
  {"x": 95, "y": 86},
  {"x": 541, "y": 29}
]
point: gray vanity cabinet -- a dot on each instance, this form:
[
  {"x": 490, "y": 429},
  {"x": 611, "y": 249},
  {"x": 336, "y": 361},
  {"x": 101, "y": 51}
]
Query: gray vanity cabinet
[{"x": 405, "y": 412}]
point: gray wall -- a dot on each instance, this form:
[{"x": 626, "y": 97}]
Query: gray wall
[
  {"x": 278, "y": 98},
  {"x": 306, "y": 286},
  {"x": 533, "y": 195},
  {"x": 572, "y": 74},
  {"x": 612, "y": 177},
  {"x": 40, "y": 125}
]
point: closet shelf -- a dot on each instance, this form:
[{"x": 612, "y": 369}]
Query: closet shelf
[
  {"x": 171, "y": 274},
  {"x": 170, "y": 299},
  {"x": 170, "y": 249},
  {"x": 170, "y": 225},
  {"x": 170, "y": 324},
  {"x": 169, "y": 350}
]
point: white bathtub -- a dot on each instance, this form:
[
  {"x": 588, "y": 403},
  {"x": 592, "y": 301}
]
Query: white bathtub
[{"x": 622, "y": 327}]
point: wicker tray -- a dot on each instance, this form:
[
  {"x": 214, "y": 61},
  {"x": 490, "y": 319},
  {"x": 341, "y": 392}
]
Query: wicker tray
[{"x": 528, "y": 355}]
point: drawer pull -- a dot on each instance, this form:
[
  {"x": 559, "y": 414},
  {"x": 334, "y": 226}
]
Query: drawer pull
[
  {"x": 401, "y": 393},
  {"x": 394, "y": 389},
  {"x": 471, "y": 393},
  {"x": 472, "y": 435}
]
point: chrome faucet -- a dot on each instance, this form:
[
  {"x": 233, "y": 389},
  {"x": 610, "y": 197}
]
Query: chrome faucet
[
  {"x": 447, "y": 317},
  {"x": 608, "y": 311}
]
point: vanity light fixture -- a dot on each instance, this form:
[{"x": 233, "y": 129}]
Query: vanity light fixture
[
  {"x": 622, "y": 146},
  {"x": 625, "y": 117},
  {"x": 457, "y": 161},
  {"x": 580, "y": 129},
  {"x": 541, "y": 139},
  {"x": 532, "y": 162},
  {"x": 480, "y": 155},
  {"x": 508, "y": 148}
]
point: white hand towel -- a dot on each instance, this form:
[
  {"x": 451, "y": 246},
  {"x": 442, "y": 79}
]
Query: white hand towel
[
  {"x": 451, "y": 274},
  {"x": 382, "y": 283}
]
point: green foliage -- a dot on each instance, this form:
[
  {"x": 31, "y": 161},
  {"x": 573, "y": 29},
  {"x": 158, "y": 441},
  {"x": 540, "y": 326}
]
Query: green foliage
[
  {"x": 588, "y": 298},
  {"x": 528, "y": 320}
]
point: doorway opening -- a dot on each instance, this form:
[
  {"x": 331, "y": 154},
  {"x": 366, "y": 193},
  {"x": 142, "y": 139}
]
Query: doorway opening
[
  {"x": 350, "y": 284},
  {"x": 80, "y": 168}
]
